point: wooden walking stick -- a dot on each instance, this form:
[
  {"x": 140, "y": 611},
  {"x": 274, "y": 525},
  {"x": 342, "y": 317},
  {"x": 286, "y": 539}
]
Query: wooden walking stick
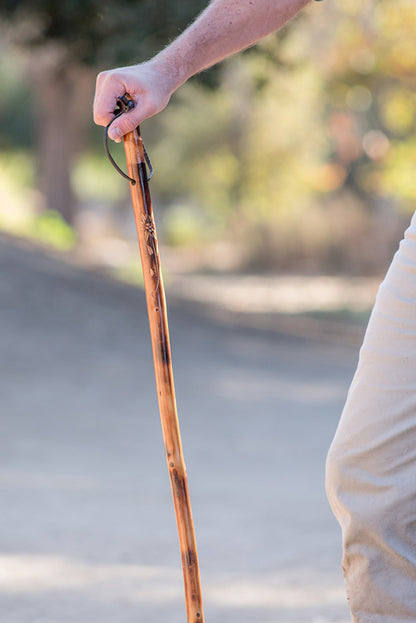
[{"x": 137, "y": 163}]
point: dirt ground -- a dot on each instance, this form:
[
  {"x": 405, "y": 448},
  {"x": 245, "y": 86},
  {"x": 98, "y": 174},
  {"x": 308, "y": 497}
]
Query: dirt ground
[{"x": 87, "y": 530}]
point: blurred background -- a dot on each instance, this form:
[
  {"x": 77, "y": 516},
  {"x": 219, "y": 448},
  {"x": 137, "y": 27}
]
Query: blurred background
[
  {"x": 295, "y": 156},
  {"x": 284, "y": 179}
]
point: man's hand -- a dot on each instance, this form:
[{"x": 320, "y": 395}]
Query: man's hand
[
  {"x": 148, "y": 86},
  {"x": 224, "y": 28}
]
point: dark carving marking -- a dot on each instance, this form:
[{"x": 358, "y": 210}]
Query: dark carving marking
[
  {"x": 176, "y": 483},
  {"x": 189, "y": 558},
  {"x": 179, "y": 487},
  {"x": 164, "y": 353},
  {"x": 148, "y": 226}
]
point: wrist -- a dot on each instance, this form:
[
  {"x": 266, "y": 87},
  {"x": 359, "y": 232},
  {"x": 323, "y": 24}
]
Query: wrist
[{"x": 170, "y": 69}]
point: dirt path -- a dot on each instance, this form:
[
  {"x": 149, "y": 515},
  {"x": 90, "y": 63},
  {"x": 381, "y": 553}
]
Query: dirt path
[{"x": 87, "y": 532}]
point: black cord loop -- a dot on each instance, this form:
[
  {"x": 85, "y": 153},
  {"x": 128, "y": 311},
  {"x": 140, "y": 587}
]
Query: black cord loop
[{"x": 124, "y": 104}]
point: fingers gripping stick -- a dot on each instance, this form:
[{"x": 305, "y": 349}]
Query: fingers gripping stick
[{"x": 137, "y": 163}]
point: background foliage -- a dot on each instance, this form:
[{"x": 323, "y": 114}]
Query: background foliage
[{"x": 299, "y": 153}]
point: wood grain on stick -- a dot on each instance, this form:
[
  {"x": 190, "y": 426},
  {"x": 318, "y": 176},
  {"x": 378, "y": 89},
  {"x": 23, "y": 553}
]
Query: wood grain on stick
[{"x": 156, "y": 306}]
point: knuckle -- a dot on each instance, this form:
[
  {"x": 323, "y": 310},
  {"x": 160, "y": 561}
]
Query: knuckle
[{"x": 101, "y": 76}]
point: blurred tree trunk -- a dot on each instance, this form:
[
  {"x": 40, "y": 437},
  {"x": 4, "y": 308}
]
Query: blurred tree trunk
[{"x": 63, "y": 98}]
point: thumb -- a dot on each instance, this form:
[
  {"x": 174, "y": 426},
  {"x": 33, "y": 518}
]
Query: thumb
[{"x": 126, "y": 123}]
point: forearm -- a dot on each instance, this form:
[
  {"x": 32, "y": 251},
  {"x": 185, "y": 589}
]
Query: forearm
[{"x": 224, "y": 28}]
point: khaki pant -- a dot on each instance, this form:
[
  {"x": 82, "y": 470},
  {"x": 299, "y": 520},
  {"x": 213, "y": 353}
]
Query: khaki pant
[{"x": 371, "y": 468}]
